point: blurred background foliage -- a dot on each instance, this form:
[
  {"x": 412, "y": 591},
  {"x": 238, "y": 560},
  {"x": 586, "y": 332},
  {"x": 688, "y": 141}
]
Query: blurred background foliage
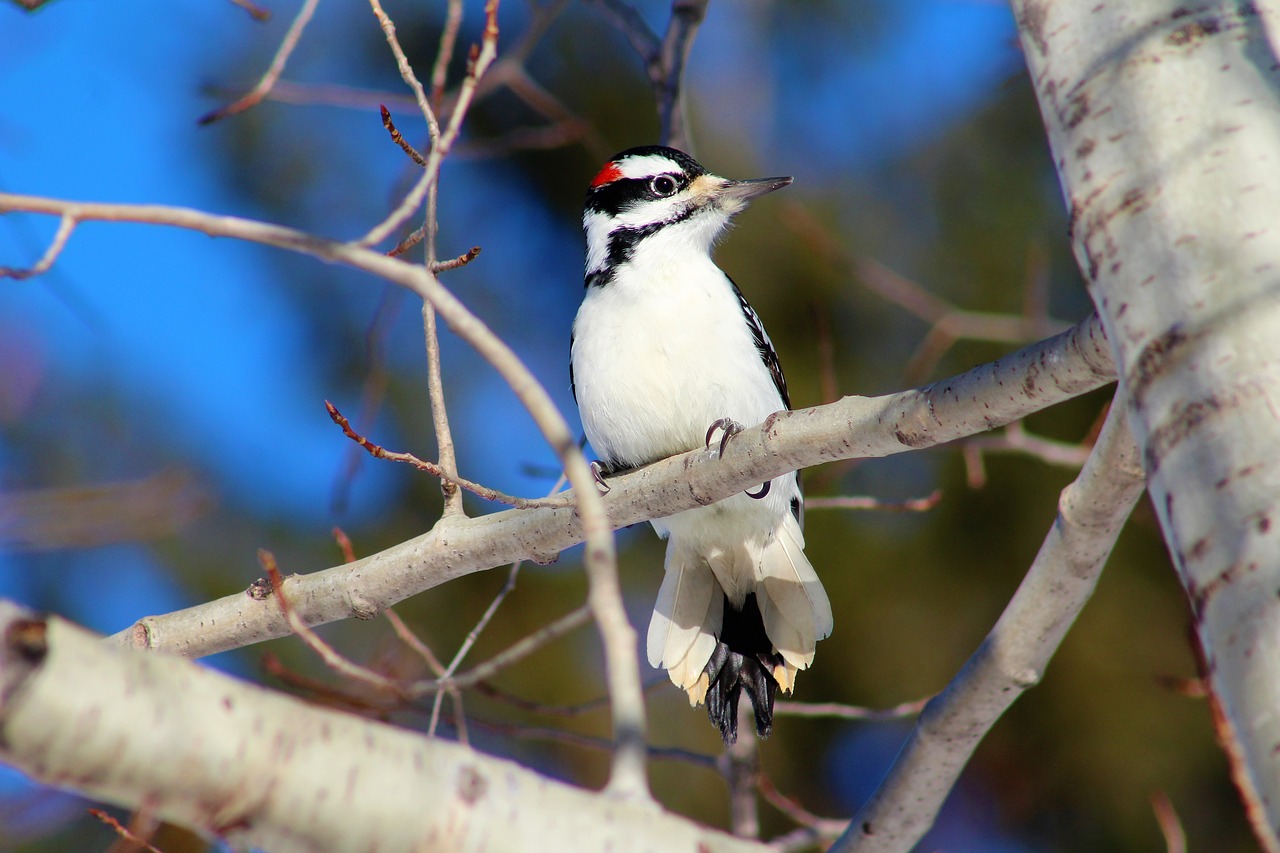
[{"x": 161, "y": 394}]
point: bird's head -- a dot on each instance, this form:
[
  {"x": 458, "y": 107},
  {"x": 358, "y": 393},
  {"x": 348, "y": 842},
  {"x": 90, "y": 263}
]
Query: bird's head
[{"x": 659, "y": 192}]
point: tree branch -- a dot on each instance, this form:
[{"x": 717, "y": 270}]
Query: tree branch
[
  {"x": 284, "y": 776},
  {"x": 1174, "y": 196},
  {"x": 1091, "y": 513},
  {"x": 986, "y": 397}
]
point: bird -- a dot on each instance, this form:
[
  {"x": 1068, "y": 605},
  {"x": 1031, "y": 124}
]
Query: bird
[{"x": 665, "y": 354}]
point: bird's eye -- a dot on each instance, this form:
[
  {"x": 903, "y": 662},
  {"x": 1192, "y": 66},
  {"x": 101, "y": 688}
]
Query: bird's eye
[{"x": 663, "y": 186}]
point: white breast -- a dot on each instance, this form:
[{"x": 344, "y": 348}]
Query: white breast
[{"x": 659, "y": 356}]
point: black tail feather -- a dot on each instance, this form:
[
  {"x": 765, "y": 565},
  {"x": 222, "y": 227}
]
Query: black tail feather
[{"x": 744, "y": 659}]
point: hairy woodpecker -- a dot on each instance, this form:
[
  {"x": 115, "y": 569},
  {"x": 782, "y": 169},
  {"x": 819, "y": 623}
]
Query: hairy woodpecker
[{"x": 666, "y": 352}]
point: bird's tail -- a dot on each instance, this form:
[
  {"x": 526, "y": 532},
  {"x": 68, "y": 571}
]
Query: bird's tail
[{"x": 713, "y": 650}]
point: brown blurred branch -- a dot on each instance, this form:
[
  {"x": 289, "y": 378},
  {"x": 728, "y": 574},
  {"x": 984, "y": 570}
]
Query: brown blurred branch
[
  {"x": 664, "y": 59},
  {"x": 255, "y": 11},
  {"x": 90, "y": 516},
  {"x": 272, "y": 74},
  {"x": 947, "y": 323},
  {"x": 857, "y": 502}
]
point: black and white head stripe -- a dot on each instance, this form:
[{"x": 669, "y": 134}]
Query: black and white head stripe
[
  {"x": 630, "y": 178},
  {"x": 636, "y": 194}
]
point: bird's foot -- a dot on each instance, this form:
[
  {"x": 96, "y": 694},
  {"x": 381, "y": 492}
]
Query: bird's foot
[
  {"x": 597, "y": 474},
  {"x": 732, "y": 428}
]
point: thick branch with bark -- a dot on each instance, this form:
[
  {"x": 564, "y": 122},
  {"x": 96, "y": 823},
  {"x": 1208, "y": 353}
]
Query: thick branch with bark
[
  {"x": 1164, "y": 120},
  {"x": 986, "y": 397},
  {"x": 274, "y": 773},
  {"x": 1012, "y": 659}
]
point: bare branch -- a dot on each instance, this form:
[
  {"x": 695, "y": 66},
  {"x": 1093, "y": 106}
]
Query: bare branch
[
  {"x": 264, "y": 86},
  {"x": 909, "y": 505},
  {"x": 664, "y": 60},
  {"x": 458, "y": 262},
  {"x": 406, "y": 71},
  {"x": 331, "y": 657},
  {"x": 1175, "y": 840},
  {"x": 947, "y": 322},
  {"x": 398, "y": 139},
  {"x": 1091, "y": 513},
  {"x": 379, "y": 452},
  {"x": 256, "y": 12},
  {"x": 65, "y": 227},
  {"x": 512, "y": 655},
  {"x": 444, "y": 54},
  {"x": 155, "y": 717},
  {"x": 442, "y": 142},
  {"x": 850, "y": 712},
  {"x": 126, "y": 834}
]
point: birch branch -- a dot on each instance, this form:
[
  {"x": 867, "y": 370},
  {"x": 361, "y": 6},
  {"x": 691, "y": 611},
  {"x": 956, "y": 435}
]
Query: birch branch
[
  {"x": 1164, "y": 121},
  {"x": 284, "y": 776},
  {"x": 1091, "y": 512},
  {"x": 986, "y": 397}
]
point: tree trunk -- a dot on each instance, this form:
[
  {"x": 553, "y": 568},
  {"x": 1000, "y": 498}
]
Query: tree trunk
[{"x": 1164, "y": 120}]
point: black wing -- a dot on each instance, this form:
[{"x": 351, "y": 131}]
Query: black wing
[
  {"x": 770, "y": 358},
  {"x": 573, "y": 388},
  {"x": 767, "y": 353}
]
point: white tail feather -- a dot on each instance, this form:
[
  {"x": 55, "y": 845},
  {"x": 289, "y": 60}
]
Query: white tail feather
[
  {"x": 686, "y": 617},
  {"x": 794, "y": 606}
]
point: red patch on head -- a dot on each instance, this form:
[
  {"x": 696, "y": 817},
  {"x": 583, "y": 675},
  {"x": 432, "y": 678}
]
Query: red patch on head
[{"x": 607, "y": 175}]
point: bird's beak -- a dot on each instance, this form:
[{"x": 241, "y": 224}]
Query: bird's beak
[
  {"x": 745, "y": 191},
  {"x": 733, "y": 196}
]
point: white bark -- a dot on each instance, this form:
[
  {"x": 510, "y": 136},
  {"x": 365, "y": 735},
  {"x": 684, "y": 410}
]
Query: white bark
[
  {"x": 1164, "y": 120},
  {"x": 988, "y": 396},
  {"x": 257, "y": 768}
]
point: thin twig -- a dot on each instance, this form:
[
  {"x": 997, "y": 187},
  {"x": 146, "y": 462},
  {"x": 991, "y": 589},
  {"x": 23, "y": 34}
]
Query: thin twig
[
  {"x": 857, "y": 502},
  {"x": 380, "y": 452},
  {"x": 850, "y": 712},
  {"x": 481, "y": 59},
  {"x": 474, "y": 634},
  {"x": 458, "y": 262},
  {"x": 328, "y": 654},
  {"x": 66, "y": 225},
  {"x": 740, "y": 768},
  {"x": 124, "y": 832},
  {"x": 686, "y": 17},
  {"x": 435, "y": 387},
  {"x": 1016, "y": 439},
  {"x": 398, "y": 138},
  {"x": 947, "y": 323},
  {"x": 407, "y": 243},
  {"x": 1175, "y": 839},
  {"x": 256, "y": 12},
  {"x": 258, "y": 92},
  {"x": 824, "y": 826},
  {"x": 344, "y": 544},
  {"x": 414, "y": 642},
  {"x": 664, "y": 60},
  {"x": 405, "y": 69},
  {"x": 512, "y": 655},
  {"x": 444, "y": 55}
]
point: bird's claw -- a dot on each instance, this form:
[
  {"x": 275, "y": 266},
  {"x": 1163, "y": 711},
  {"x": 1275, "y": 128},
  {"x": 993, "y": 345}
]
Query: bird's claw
[
  {"x": 732, "y": 428},
  {"x": 597, "y": 474}
]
